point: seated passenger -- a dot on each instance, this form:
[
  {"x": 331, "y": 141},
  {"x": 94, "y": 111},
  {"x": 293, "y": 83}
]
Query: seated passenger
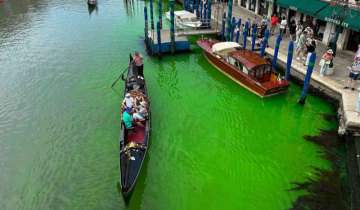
[
  {"x": 128, "y": 101},
  {"x": 138, "y": 99},
  {"x": 128, "y": 120},
  {"x": 140, "y": 115}
]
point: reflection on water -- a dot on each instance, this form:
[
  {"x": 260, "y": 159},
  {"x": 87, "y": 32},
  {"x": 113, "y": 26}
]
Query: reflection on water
[{"x": 92, "y": 8}]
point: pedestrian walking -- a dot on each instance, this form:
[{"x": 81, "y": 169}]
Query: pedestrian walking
[
  {"x": 274, "y": 21},
  {"x": 264, "y": 20},
  {"x": 249, "y": 31},
  {"x": 139, "y": 63},
  {"x": 301, "y": 46},
  {"x": 299, "y": 30},
  {"x": 254, "y": 23},
  {"x": 310, "y": 49},
  {"x": 292, "y": 29},
  {"x": 283, "y": 26},
  {"x": 354, "y": 73},
  {"x": 325, "y": 62}
]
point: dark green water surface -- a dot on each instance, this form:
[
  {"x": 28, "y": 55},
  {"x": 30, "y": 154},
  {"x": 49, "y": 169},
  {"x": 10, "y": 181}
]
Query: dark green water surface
[{"x": 214, "y": 145}]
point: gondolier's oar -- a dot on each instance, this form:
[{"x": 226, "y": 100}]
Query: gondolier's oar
[
  {"x": 123, "y": 73},
  {"x": 120, "y": 77}
]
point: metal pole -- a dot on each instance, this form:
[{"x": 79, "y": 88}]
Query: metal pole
[
  {"x": 308, "y": 77},
  {"x": 152, "y": 14},
  {"x": 232, "y": 29},
  {"x": 159, "y": 39},
  {"x": 209, "y": 15},
  {"x": 146, "y": 20},
  {"x": 245, "y": 34},
  {"x": 264, "y": 43},
  {"x": 277, "y": 45},
  {"x": 253, "y": 38},
  {"x": 172, "y": 29},
  {"x": 238, "y": 32},
  {"x": 229, "y": 20},
  {"x": 289, "y": 60},
  {"x": 160, "y": 13}
]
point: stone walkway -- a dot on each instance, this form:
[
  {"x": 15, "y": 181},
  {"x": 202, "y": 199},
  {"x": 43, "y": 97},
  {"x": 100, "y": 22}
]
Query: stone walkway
[{"x": 341, "y": 61}]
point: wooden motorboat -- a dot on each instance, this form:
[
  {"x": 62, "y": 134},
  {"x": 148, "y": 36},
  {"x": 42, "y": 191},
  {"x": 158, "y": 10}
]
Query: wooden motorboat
[
  {"x": 92, "y": 2},
  {"x": 185, "y": 19},
  {"x": 245, "y": 67},
  {"x": 133, "y": 142}
]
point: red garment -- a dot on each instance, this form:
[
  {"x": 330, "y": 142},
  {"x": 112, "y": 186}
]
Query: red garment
[{"x": 274, "y": 20}]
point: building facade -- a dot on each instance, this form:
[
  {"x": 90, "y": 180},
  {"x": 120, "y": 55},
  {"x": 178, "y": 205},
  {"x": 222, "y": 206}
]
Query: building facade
[{"x": 314, "y": 13}]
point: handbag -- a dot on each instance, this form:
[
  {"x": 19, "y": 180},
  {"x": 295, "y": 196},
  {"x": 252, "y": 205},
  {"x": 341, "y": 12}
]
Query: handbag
[
  {"x": 322, "y": 62},
  {"x": 328, "y": 62}
]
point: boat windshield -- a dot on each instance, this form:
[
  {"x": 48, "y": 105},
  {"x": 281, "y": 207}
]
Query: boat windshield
[
  {"x": 262, "y": 73},
  {"x": 238, "y": 65}
]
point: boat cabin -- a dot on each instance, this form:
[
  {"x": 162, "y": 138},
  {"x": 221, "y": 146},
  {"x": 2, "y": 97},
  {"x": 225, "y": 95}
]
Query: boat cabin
[{"x": 246, "y": 61}]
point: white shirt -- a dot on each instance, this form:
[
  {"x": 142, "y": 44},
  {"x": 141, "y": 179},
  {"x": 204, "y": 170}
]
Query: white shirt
[
  {"x": 128, "y": 101},
  {"x": 283, "y": 24}
]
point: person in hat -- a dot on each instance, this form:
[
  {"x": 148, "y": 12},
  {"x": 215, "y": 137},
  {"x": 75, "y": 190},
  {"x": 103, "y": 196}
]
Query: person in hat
[
  {"x": 325, "y": 63},
  {"x": 354, "y": 73},
  {"x": 141, "y": 114},
  {"x": 138, "y": 99},
  {"x": 128, "y": 101},
  {"x": 129, "y": 122}
]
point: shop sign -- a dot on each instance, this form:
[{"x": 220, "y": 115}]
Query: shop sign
[
  {"x": 293, "y": 8},
  {"x": 337, "y": 22}
]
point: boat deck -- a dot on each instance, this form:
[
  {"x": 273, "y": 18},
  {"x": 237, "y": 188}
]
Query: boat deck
[{"x": 138, "y": 136}]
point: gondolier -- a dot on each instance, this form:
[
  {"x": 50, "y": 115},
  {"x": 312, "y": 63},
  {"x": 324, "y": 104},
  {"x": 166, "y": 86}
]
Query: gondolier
[{"x": 139, "y": 63}]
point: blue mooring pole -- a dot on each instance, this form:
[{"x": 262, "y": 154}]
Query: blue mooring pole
[
  {"x": 172, "y": 27},
  {"x": 159, "y": 39},
  {"x": 205, "y": 15},
  {"x": 229, "y": 20},
  {"x": 184, "y": 2},
  {"x": 253, "y": 38},
  {"x": 238, "y": 32},
  {"x": 160, "y": 12},
  {"x": 232, "y": 29},
  {"x": 264, "y": 43},
  {"x": 209, "y": 15},
  {"x": 277, "y": 45},
  {"x": 245, "y": 34},
  {"x": 201, "y": 10},
  {"x": 197, "y": 8},
  {"x": 146, "y": 20},
  {"x": 308, "y": 77},
  {"x": 152, "y": 14},
  {"x": 223, "y": 27},
  {"x": 193, "y": 6},
  {"x": 188, "y": 5},
  {"x": 289, "y": 60}
]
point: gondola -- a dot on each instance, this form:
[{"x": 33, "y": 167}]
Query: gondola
[
  {"x": 92, "y": 2},
  {"x": 133, "y": 142}
]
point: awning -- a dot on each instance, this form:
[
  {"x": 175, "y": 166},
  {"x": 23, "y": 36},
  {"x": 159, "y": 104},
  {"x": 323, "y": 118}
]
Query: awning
[
  {"x": 309, "y": 7},
  {"x": 326, "y": 14}
]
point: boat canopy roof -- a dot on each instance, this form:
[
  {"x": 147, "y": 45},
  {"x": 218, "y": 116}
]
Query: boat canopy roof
[
  {"x": 184, "y": 14},
  {"x": 248, "y": 58},
  {"x": 224, "y": 47}
]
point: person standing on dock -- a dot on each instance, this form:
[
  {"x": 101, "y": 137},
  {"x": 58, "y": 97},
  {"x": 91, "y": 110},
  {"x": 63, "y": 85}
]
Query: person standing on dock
[
  {"x": 139, "y": 63},
  {"x": 354, "y": 73},
  {"x": 274, "y": 21}
]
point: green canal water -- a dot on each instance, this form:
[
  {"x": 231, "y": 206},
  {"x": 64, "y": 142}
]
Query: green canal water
[{"x": 214, "y": 145}]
